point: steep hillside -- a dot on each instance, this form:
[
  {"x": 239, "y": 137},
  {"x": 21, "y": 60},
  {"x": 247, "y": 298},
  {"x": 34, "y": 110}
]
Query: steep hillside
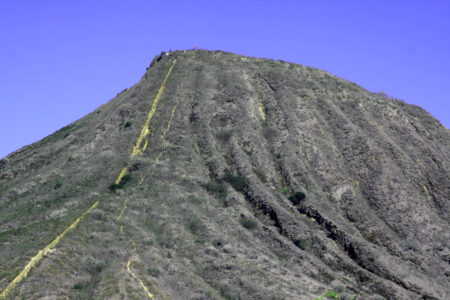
[{"x": 220, "y": 176}]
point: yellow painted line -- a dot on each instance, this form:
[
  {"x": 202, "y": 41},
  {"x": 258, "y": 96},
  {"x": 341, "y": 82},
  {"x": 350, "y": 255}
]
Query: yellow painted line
[
  {"x": 40, "y": 255},
  {"x": 262, "y": 111},
  {"x": 425, "y": 189},
  {"x": 145, "y": 130},
  {"x": 142, "y": 180},
  {"x": 123, "y": 209},
  {"x": 122, "y": 173},
  {"x": 169, "y": 124},
  {"x": 136, "y": 150},
  {"x": 139, "y": 149},
  {"x": 145, "y": 145},
  {"x": 140, "y": 281}
]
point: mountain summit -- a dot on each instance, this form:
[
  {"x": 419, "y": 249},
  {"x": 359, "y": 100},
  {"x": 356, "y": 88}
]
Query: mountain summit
[{"x": 221, "y": 176}]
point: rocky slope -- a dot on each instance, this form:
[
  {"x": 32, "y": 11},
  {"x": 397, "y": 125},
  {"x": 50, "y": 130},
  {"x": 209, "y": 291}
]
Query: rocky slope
[{"x": 220, "y": 176}]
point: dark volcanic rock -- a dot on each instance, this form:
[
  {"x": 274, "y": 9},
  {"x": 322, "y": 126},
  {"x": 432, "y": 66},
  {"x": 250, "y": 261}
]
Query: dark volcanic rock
[{"x": 203, "y": 211}]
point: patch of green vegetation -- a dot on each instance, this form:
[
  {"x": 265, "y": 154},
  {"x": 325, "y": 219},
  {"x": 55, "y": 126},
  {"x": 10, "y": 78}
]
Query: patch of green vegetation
[
  {"x": 301, "y": 243},
  {"x": 236, "y": 181},
  {"x": 195, "y": 226},
  {"x": 154, "y": 271},
  {"x": 197, "y": 199},
  {"x": 283, "y": 190},
  {"x": 297, "y": 198},
  {"x": 272, "y": 64},
  {"x": 78, "y": 286},
  {"x": 115, "y": 186},
  {"x": 225, "y": 296},
  {"x": 248, "y": 223},
  {"x": 57, "y": 185},
  {"x": 330, "y": 294},
  {"x": 218, "y": 189},
  {"x": 208, "y": 293}
]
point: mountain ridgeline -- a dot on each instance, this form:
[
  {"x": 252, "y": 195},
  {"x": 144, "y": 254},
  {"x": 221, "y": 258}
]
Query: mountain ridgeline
[{"x": 220, "y": 176}]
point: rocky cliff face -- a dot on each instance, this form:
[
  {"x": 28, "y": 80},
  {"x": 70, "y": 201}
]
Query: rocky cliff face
[{"x": 230, "y": 177}]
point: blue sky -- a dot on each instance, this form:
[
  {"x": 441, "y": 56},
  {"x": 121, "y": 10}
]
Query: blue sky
[{"x": 59, "y": 60}]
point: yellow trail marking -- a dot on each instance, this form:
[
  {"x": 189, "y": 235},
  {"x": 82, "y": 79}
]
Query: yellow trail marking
[
  {"x": 139, "y": 149},
  {"x": 142, "y": 180},
  {"x": 122, "y": 173},
  {"x": 163, "y": 136},
  {"x": 262, "y": 111},
  {"x": 48, "y": 249},
  {"x": 140, "y": 281},
  {"x": 123, "y": 209},
  {"x": 426, "y": 190},
  {"x": 145, "y": 131},
  {"x": 136, "y": 150},
  {"x": 41, "y": 254},
  {"x": 145, "y": 145}
]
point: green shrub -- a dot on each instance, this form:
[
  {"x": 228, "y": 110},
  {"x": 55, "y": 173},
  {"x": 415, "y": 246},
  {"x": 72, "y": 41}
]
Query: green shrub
[
  {"x": 195, "y": 226},
  {"x": 225, "y": 296},
  {"x": 216, "y": 188},
  {"x": 301, "y": 243},
  {"x": 125, "y": 179},
  {"x": 114, "y": 186},
  {"x": 330, "y": 294},
  {"x": 236, "y": 181},
  {"x": 197, "y": 199},
  {"x": 154, "y": 271},
  {"x": 297, "y": 198},
  {"x": 78, "y": 286},
  {"x": 248, "y": 223},
  {"x": 58, "y": 184}
]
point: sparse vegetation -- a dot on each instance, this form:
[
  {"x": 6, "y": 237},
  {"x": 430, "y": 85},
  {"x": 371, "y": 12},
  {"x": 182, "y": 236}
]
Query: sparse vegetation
[
  {"x": 330, "y": 294},
  {"x": 222, "y": 213},
  {"x": 248, "y": 223},
  {"x": 78, "y": 286},
  {"x": 218, "y": 189},
  {"x": 301, "y": 243},
  {"x": 297, "y": 198},
  {"x": 224, "y": 135},
  {"x": 196, "y": 199},
  {"x": 114, "y": 186},
  {"x": 283, "y": 190},
  {"x": 57, "y": 185},
  {"x": 236, "y": 181},
  {"x": 195, "y": 226},
  {"x": 154, "y": 271}
]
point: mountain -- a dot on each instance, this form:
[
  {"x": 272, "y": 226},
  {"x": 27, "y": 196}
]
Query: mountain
[{"x": 220, "y": 176}]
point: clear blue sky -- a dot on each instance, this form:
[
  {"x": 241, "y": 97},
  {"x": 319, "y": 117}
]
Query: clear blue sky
[{"x": 59, "y": 60}]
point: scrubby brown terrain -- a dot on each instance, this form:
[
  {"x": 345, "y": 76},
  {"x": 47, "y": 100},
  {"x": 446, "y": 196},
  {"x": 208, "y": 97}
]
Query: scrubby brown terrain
[{"x": 220, "y": 176}]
